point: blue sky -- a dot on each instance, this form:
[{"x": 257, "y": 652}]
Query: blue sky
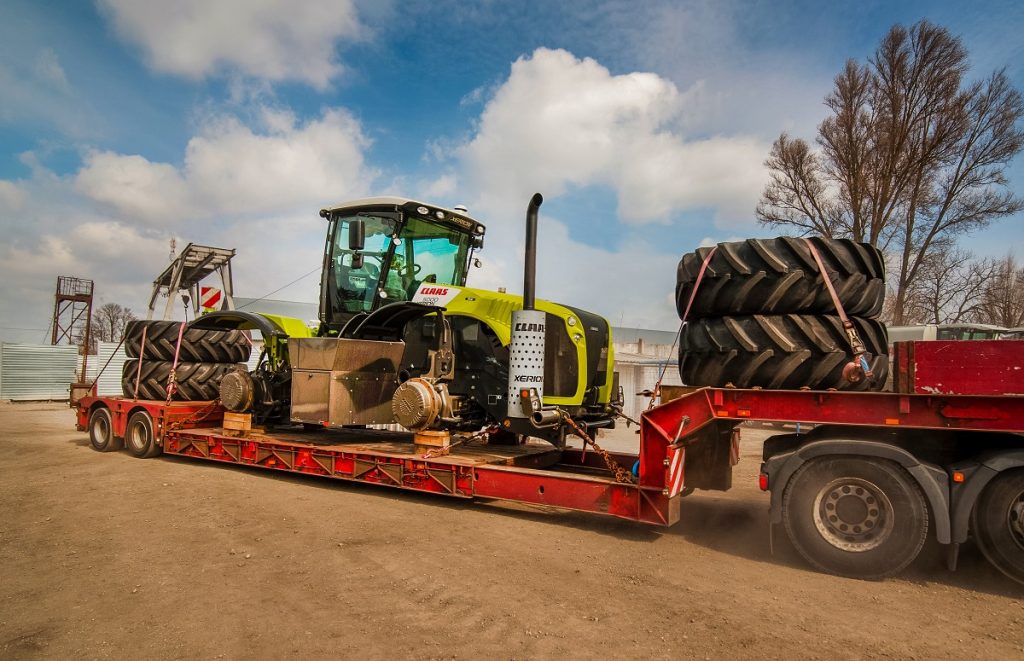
[{"x": 124, "y": 123}]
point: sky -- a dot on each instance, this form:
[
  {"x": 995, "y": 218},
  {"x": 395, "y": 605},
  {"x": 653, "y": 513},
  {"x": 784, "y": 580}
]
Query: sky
[{"x": 125, "y": 124}]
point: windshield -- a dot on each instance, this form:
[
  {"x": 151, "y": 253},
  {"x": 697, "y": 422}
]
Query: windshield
[{"x": 406, "y": 254}]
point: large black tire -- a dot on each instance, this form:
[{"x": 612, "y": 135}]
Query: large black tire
[
  {"x": 859, "y": 517},
  {"x": 780, "y": 276},
  {"x": 196, "y": 381},
  {"x": 785, "y": 352},
  {"x": 101, "y": 431},
  {"x": 139, "y": 439},
  {"x": 998, "y": 522},
  {"x": 197, "y": 345}
]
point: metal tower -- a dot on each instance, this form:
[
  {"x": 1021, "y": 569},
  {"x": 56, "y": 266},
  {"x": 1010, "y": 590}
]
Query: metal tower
[{"x": 72, "y": 308}]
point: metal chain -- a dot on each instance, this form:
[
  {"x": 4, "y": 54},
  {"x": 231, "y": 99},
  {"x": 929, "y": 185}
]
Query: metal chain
[
  {"x": 196, "y": 416},
  {"x": 617, "y": 410},
  {"x": 465, "y": 440},
  {"x": 621, "y": 474}
]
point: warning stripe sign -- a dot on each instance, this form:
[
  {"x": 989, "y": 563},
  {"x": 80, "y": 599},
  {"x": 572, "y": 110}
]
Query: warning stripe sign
[
  {"x": 674, "y": 474},
  {"x": 209, "y": 298}
]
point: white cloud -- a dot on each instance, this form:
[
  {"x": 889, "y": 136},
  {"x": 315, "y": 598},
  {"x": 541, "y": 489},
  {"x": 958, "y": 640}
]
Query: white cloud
[
  {"x": 231, "y": 169},
  {"x": 560, "y": 123},
  {"x": 12, "y": 196},
  {"x": 47, "y": 67},
  {"x": 266, "y": 39}
]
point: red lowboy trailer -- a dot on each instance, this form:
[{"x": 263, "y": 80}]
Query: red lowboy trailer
[{"x": 855, "y": 493}]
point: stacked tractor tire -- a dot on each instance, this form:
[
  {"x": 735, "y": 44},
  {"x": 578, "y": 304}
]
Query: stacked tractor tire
[
  {"x": 762, "y": 316},
  {"x": 204, "y": 357}
]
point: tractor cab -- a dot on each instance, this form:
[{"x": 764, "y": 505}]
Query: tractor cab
[{"x": 381, "y": 250}]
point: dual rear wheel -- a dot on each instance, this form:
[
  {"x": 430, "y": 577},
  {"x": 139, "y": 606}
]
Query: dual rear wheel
[
  {"x": 867, "y": 518},
  {"x": 139, "y": 437}
]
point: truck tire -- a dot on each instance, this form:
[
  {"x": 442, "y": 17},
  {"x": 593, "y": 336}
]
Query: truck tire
[
  {"x": 196, "y": 381},
  {"x": 101, "y": 431},
  {"x": 780, "y": 276},
  {"x": 779, "y": 352},
  {"x": 998, "y": 523},
  {"x": 197, "y": 345},
  {"x": 139, "y": 439},
  {"x": 858, "y": 517}
]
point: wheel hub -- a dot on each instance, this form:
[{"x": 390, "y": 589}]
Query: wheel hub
[
  {"x": 136, "y": 437},
  {"x": 853, "y": 514},
  {"x": 1015, "y": 518}
]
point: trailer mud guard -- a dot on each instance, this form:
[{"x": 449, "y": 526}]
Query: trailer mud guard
[{"x": 932, "y": 479}]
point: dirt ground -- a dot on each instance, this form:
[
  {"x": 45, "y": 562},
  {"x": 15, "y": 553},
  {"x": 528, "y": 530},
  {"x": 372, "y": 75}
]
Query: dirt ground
[{"x": 106, "y": 556}]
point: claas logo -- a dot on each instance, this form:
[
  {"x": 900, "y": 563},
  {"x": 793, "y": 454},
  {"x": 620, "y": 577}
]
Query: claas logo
[{"x": 434, "y": 291}]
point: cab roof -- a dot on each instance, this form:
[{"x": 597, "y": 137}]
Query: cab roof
[{"x": 397, "y": 202}]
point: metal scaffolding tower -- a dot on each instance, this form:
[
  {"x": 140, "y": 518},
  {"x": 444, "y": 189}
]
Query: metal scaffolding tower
[{"x": 72, "y": 308}]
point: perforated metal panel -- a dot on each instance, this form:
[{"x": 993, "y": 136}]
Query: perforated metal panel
[{"x": 526, "y": 357}]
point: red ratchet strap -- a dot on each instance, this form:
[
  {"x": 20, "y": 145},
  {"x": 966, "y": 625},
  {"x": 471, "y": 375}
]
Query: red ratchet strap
[
  {"x": 142, "y": 352},
  {"x": 859, "y": 359},
  {"x": 171, "y": 385},
  {"x": 686, "y": 313},
  {"x": 696, "y": 283}
]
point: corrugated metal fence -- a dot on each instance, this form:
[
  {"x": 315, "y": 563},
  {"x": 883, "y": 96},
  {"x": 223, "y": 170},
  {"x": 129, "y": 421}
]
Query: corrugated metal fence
[
  {"x": 36, "y": 371},
  {"x": 110, "y": 378}
]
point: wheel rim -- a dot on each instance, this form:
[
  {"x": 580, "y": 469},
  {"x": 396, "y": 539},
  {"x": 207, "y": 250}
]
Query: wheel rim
[
  {"x": 853, "y": 514},
  {"x": 101, "y": 430},
  {"x": 1015, "y": 519},
  {"x": 137, "y": 436}
]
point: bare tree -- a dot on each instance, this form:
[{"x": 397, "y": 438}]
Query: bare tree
[
  {"x": 950, "y": 288},
  {"x": 1003, "y": 300},
  {"x": 909, "y": 159},
  {"x": 109, "y": 322}
]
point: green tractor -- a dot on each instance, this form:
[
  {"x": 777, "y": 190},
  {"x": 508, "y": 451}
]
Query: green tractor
[{"x": 402, "y": 339}]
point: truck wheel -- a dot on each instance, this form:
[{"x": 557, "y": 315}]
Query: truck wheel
[
  {"x": 101, "y": 431},
  {"x": 998, "y": 523},
  {"x": 861, "y": 518},
  {"x": 197, "y": 345},
  {"x": 138, "y": 436},
  {"x": 788, "y": 351},
  {"x": 780, "y": 276}
]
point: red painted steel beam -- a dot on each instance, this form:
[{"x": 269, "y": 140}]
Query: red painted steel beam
[
  {"x": 576, "y": 492},
  {"x": 665, "y": 428},
  {"x": 876, "y": 409},
  {"x": 399, "y": 472}
]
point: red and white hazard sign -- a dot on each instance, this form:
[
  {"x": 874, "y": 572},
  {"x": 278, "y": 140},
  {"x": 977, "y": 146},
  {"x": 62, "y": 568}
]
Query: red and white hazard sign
[
  {"x": 675, "y": 473},
  {"x": 209, "y": 298}
]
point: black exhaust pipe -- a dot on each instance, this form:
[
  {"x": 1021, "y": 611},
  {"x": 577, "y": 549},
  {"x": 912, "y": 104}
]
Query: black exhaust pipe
[{"x": 530, "y": 267}]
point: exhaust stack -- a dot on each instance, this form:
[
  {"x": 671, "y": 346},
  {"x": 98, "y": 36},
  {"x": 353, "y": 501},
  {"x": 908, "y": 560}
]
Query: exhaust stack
[
  {"x": 530, "y": 254},
  {"x": 526, "y": 350}
]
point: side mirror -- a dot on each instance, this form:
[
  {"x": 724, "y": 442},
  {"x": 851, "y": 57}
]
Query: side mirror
[{"x": 357, "y": 234}]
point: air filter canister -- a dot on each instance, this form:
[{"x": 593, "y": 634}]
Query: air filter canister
[{"x": 526, "y": 358}]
